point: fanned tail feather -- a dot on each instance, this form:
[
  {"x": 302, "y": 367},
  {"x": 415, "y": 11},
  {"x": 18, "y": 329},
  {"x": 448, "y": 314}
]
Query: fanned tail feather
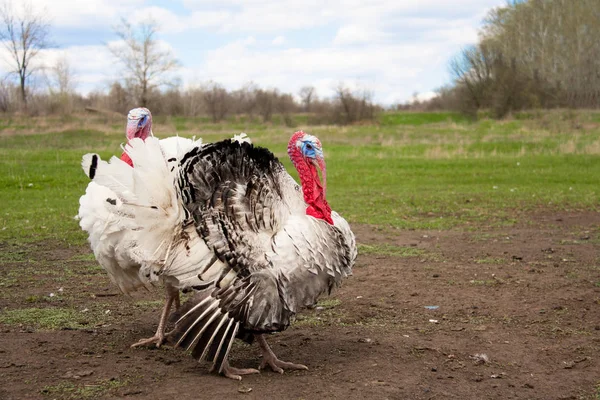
[
  {"x": 152, "y": 178},
  {"x": 208, "y": 329},
  {"x": 211, "y": 321},
  {"x": 89, "y": 163},
  {"x": 115, "y": 175},
  {"x": 144, "y": 206},
  {"x": 106, "y": 229}
]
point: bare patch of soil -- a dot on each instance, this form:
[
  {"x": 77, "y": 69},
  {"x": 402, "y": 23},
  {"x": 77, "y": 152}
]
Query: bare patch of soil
[{"x": 489, "y": 313}]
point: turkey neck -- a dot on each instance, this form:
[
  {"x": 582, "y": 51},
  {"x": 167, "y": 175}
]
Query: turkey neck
[{"x": 312, "y": 189}]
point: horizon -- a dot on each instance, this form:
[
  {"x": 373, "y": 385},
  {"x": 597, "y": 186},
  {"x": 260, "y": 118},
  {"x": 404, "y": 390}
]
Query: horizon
[{"x": 392, "y": 48}]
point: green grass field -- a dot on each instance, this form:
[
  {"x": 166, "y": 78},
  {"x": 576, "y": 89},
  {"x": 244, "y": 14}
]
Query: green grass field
[
  {"x": 409, "y": 170},
  {"x": 501, "y": 269}
]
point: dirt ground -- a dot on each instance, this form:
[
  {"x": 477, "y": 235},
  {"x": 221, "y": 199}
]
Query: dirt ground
[{"x": 514, "y": 313}]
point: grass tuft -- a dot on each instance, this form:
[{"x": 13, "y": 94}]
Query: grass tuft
[
  {"x": 51, "y": 318},
  {"x": 69, "y": 390}
]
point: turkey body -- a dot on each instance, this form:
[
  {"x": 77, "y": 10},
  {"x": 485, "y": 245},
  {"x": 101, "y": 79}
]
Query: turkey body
[{"x": 275, "y": 259}]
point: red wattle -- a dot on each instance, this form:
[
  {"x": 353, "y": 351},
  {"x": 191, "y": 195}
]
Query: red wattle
[
  {"x": 125, "y": 157},
  {"x": 313, "y": 212},
  {"x": 311, "y": 188}
]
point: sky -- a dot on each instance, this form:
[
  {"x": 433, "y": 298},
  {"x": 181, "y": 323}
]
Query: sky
[{"x": 394, "y": 48}]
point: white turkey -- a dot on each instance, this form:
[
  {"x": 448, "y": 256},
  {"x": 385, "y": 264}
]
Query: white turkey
[
  {"x": 279, "y": 245},
  {"x": 101, "y": 209},
  {"x": 237, "y": 228}
]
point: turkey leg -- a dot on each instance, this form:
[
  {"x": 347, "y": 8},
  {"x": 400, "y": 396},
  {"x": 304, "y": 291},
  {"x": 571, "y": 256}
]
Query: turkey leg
[
  {"x": 270, "y": 359},
  {"x": 159, "y": 336}
]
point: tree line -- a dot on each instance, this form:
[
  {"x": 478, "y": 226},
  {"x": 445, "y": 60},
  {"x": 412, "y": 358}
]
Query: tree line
[
  {"x": 147, "y": 71},
  {"x": 530, "y": 54},
  {"x": 210, "y": 100}
]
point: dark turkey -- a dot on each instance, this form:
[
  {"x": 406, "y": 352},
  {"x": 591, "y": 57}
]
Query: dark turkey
[{"x": 278, "y": 245}]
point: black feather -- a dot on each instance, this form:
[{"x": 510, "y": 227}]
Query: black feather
[
  {"x": 228, "y": 338},
  {"x": 93, "y": 166},
  {"x": 218, "y": 339},
  {"x": 208, "y": 335}
]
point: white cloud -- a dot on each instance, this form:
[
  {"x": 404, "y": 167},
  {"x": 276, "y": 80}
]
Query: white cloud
[
  {"x": 244, "y": 15},
  {"x": 92, "y": 66},
  {"x": 166, "y": 20},
  {"x": 170, "y": 22},
  {"x": 390, "y": 46},
  {"x": 394, "y": 47},
  {"x": 457, "y": 35},
  {"x": 103, "y": 14},
  {"x": 425, "y": 96},
  {"x": 278, "y": 41},
  {"x": 289, "y": 69},
  {"x": 250, "y": 40},
  {"x": 358, "y": 34},
  {"x": 85, "y": 14},
  {"x": 284, "y": 15}
]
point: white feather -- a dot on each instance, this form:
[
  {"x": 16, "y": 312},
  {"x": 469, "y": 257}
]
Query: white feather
[
  {"x": 138, "y": 235},
  {"x": 86, "y": 162},
  {"x": 241, "y": 138},
  {"x": 106, "y": 233}
]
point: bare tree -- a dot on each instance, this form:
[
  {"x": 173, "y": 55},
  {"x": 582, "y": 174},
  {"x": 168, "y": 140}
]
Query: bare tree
[
  {"x": 23, "y": 35},
  {"x": 472, "y": 68},
  {"x": 118, "y": 98},
  {"x": 307, "y": 96},
  {"x": 171, "y": 102},
  {"x": 347, "y": 104},
  {"x": 244, "y": 99},
  {"x": 351, "y": 106},
  {"x": 61, "y": 77},
  {"x": 265, "y": 101},
  {"x": 216, "y": 100},
  {"x": 61, "y": 85},
  {"x": 147, "y": 65},
  {"x": 7, "y": 91},
  {"x": 285, "y": 106},
  {"x": 193, "y": 101}
]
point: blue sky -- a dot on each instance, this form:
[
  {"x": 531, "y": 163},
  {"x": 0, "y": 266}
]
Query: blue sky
[{"x": 391, "y": 47}]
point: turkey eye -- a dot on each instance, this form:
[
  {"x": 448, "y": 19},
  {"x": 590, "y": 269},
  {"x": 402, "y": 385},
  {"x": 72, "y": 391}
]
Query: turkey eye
[{"x": 309, "y": 146}]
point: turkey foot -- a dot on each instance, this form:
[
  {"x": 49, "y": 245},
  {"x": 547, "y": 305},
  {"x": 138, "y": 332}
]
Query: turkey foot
[
  {"x": 236, "y": 373},
  {"x": 159, "y": 337},
  {"x": 270, "y": 359}
]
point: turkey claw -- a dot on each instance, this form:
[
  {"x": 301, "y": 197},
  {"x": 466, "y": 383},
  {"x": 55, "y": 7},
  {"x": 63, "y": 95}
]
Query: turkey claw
[
  {"x": 236, "y": 373},
  {"x": 156, "y": 340},
  {"x": 279, "y": 366},
  {"x": 270, "y": 359}
]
